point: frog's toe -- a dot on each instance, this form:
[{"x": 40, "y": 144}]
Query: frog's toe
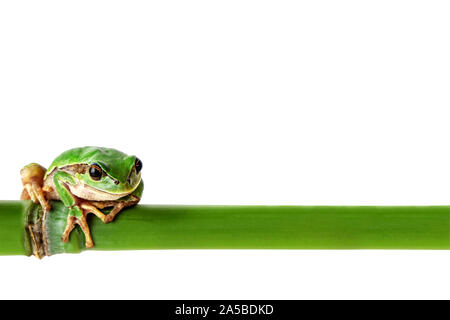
[{"x": 89, "y": 243}]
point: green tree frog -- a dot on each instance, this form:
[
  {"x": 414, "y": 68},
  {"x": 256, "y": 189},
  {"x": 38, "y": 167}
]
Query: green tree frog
[{"x": 86, "y": 180}]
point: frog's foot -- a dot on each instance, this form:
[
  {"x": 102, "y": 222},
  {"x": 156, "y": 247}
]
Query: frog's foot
[
  {"x": 77, "y": 215},
  {"x": 70, "y": 225},
  {"x": 32, "y": 179},
  {"x": 117, "y": 206}
]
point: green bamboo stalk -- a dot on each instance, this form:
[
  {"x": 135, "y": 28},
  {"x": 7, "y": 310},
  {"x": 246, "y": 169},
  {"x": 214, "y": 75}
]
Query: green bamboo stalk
[
  {"x": 235, "y": 227},
  {"x": 13, "y": 238}
]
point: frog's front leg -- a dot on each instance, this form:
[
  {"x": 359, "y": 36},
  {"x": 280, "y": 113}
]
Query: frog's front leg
[
  {"x": 78, "y": 208},
  {"x": 117, "y": 206}
]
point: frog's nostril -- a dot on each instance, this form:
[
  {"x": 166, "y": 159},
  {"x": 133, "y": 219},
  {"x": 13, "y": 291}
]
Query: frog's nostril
[{"x": 116, "y": 182}]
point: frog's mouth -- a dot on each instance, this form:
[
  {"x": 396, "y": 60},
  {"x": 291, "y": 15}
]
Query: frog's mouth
[{"x": 87, "y": 192}]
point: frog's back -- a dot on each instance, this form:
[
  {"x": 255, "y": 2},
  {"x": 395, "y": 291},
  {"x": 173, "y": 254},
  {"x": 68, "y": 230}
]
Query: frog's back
[{"x": 83, "y": 155}]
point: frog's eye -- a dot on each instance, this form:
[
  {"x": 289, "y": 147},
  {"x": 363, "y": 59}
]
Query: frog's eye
[
  {"x": 95, "y": 172},
  {"x": 138, "y": 165}
]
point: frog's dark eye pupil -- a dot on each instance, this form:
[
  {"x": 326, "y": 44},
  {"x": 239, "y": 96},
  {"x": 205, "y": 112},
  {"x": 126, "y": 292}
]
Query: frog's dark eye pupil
[
  {"x": 138, "y": 165},
  {"x": 95, "y": 172}
]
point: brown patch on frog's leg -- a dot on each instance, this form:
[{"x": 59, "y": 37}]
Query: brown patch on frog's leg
[
  {"x": 32, "y": 180},
  {"x": 117, "y": 206}
]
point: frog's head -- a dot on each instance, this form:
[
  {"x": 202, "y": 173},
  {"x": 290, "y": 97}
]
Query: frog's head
[{"x": 111, "y": 171}]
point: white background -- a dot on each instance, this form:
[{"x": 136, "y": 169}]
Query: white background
[{"x": 234, "y": 102}]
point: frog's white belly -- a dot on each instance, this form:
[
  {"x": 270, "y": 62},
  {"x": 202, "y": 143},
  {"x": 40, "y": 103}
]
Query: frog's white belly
[{"x": 89, "y": 193}]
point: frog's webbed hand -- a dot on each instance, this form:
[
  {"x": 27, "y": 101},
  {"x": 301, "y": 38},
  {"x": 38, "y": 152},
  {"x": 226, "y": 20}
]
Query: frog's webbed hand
[
  {"x": 32, "y": 180},
  {"x": 78, "y": 208},
  {"x": 117, "y": 206}
]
